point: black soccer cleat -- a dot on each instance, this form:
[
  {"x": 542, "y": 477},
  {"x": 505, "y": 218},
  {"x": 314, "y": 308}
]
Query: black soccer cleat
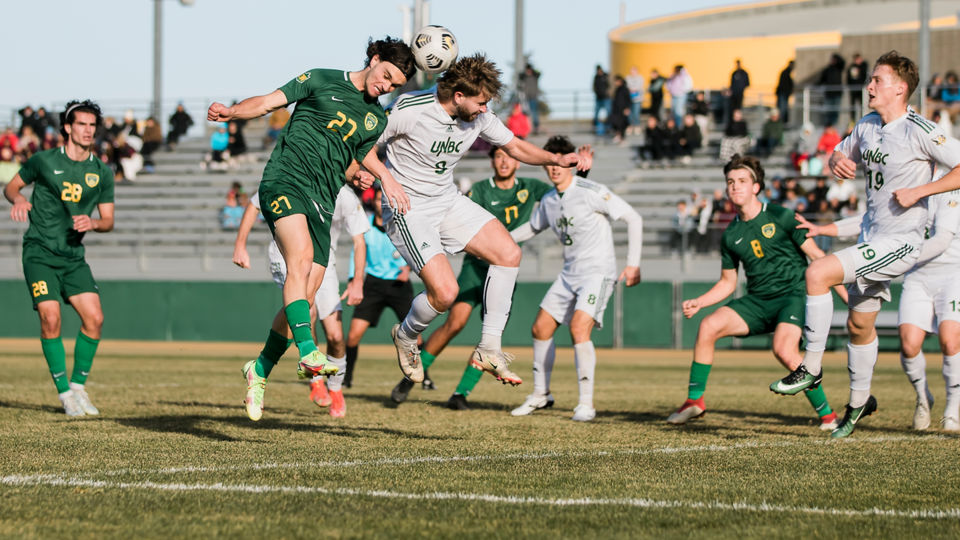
[
  {"x": 401, "y": 390},
  {"x": 427, "y": 381},
  {"x": 458, "y": 402}
]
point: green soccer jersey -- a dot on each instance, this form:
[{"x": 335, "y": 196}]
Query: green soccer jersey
[
  {"x": 63, "y": 188},
  {"x": 333, "y": 124},
  {"x": 769, "y": 248},
  {"x": 512, "y": 207}
]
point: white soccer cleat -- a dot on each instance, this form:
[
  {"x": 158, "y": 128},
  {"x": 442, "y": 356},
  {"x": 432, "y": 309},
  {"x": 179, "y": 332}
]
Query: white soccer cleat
[
  {"x": 84, "y": 401},
  {"x": 950, "y": 423},
  {"x": 583, "y": 413},
  {"x": 533, "y": 403},
  {"x": 496, "y": 363},
  {"x": 691, "y": 409},
  {"x": 71, "y": 407},
  {"x": 921, "y": 416},
  {"x": 408, "y": 356}
]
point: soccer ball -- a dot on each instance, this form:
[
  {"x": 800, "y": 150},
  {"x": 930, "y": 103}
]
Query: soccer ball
[{"x": 434, "y": 49}]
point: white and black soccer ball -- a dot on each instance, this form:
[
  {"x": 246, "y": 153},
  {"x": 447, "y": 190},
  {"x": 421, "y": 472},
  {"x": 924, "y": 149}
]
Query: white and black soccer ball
[{"x": 435, "y": 49}]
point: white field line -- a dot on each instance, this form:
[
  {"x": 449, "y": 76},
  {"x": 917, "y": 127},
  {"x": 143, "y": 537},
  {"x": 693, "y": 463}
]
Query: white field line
[
  {"x": 477, "y": 497},
  {"x": 524, "y": 456}
]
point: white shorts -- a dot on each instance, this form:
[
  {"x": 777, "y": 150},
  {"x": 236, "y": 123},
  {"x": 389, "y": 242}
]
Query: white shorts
[
  {"x": 868, "y": 268},
  {"x": 578, "y": 293},
  {"x": 434, "y": 225},
  {"x": 328, "y": 295},
  {"x": 926, "y": 303}
]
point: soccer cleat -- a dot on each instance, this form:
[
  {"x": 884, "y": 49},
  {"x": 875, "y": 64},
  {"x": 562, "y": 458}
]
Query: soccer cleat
[
  {"x": 401, "y": 390},
  {"x": 828, "y": 422},
  {"x": 458, "y": 402},
  {"x": 797, "y": 381},
  {"x": 852, "y": 416},
  {"x": 408, "y": 356},
  {"x": 338, "y": 407},
  {"x": 255, "y": 387},
  {"x": 950, "y": 423},
  {"x": 318, "y": 392},
  {"x": 497, "y": 364},
  {"x": 921, "y": 415},
  {"x": 583, "y": 413},
  {"x": 427, "y": 382},
  {"x": 313, "y": 364},
  {"x": 71, "y": 407},
  {"x": 690, "y": 410},
  {"x": 533, "y": 403},
  {"x": 84, "y": 401}
]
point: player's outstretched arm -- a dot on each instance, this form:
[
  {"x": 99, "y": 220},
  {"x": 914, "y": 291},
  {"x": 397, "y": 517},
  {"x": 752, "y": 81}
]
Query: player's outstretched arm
[
  {"x": 247, "y": 109},
  {"x": 722, "y": 289},
  {"x": 240, "y": 256},
  {"x": 908, "y": 197},
  {"x": 523, "y": 233},
  {"x": 21, "y": 206},
  {"x": 104, "y": 224},
  {"x": 392, "y": 190},
  {"x": 631, "y": 274},
  {"x": 525, "y": 152},
  {"x": 354, "y": 292}
]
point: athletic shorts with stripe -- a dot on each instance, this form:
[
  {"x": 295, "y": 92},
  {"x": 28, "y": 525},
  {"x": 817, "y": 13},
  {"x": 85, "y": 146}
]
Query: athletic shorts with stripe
[
  {"x": 868, "y": 268},
  {"x": 927, "y": 301},
  {"x": 433, "y": 226},
  {"x": 588, "y": 293},
  {"x": 327, "y": 299}
]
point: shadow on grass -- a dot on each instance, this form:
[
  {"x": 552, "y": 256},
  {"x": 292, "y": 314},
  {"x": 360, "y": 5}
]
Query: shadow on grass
[{"x": 30, "y": 407}]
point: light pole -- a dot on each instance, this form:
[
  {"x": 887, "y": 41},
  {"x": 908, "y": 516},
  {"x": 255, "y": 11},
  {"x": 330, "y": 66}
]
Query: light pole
[
  {"x": 924, "y": 46},
  {"x": 156, "y": 107},
  {"x": 519, "y": 60}
]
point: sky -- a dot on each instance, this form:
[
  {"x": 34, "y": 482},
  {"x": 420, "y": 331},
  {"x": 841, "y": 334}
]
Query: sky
[{"x": 232, "y": 49}]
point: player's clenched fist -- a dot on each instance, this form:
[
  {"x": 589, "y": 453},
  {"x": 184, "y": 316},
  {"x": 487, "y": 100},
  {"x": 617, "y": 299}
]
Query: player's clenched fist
[
  {"x": 218, "y": 112},
  {"x": 20, "y": 210},
  {"x": 843, "y": 167},
  {"x": 691, "y": 307}
]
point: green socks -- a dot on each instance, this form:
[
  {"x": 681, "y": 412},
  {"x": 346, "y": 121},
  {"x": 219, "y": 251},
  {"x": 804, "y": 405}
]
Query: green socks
[
  {"x": 471, "y": 376},
  {"x": 427, "y": 359},
  {"x": 57, "y": 362},
  {"x": 83, "y": 353},
  {"x": 272, "y": 351},
  {"x": 698, "y": 379},
  {"x": 298, "y": 317},
  {"x": 818, "y": 399}
]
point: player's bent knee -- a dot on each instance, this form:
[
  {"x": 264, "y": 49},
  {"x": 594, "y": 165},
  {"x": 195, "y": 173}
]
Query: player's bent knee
[{"x": 510, "y": 256}]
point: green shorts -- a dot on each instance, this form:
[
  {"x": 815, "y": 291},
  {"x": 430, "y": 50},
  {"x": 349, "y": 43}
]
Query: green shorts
[
  {"x": 50, "y": 277},
  {"x": 762, "y": 315},
  {"x": 473, "y": 274},
  {"x": 282, "y": 198}
]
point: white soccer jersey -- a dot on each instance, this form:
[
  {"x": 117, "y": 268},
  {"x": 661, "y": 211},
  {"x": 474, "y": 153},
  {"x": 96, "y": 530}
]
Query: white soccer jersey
[
  {"x": 578, "y": 216},
  {"x": 943, "y": 215},
  {"x": 901, "y": 154},
  {"x": 348, "y": 213},
  {"x": 424, "y": 144}
]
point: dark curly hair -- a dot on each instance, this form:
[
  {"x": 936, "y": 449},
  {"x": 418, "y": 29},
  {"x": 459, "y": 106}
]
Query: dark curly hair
[
  {"x": 748, "y": 163},
  {"x": 69, "y": 114},
  {"x": 394, "y": 51},
  {"x": 558, "y": 144}
]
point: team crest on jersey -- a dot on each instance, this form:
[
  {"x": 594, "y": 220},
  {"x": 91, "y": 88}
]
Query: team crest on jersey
[
  {"x": 303, "y": 78},
  {"x": 940, "y": 140},
  {"x": 952, "y": 204},
  {"x": 606, "y": 197},
  {"x": 92, "y": 179},
  {"x": 370, "y": 122},
  {"x": 522, "y": 195},
  {"x": 769, "y": 230}
]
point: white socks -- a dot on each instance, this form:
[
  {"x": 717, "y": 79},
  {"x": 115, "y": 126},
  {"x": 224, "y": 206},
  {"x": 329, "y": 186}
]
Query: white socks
[
  {"x": 75, "y": 386},
  {"x": 497, "y": 297},
  {"x": 819, "y": 315},
  {"x": 420, "y": 316},
  {"x": 544, "y": 354},
  {"x": 335, "y": 382},
  {"x": 65, "y": 395},
  {"x": 586, "y": 359},
  {"x": 860, "y": 362},
  {"x": 916, "y": 370},
  {"x": 951, "y": 375}
]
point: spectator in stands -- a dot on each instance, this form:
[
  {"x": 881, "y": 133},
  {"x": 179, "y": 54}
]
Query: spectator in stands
[
  {"x": 682, "y": 223},
  {"x": 27, "y": 118},
  {"x": 791, "y": 201},
  {"x": 813, "y": 166},
  {"x": 52, "y": 139},
  {"x": 637, "y": 86},
  {"x": 671, "y": 139},
  {"x": 9, "y": 165},
  {"x": 10, "y": 140},
  {"x": 29, "y": 142},
  {"x": 739, "y": 82},
  {"x": 857, "y": 75},
  {"x": 152, "y": 140},
  {"x": 771, "y": 136},
  {"x": 854, "y": 207},
  {"x": 130, "y": 127},
  {"x": 818, "y": 194},
  {"x": 531, "y": 93},
  {"x": 784, "y": 91},
  {"x": 180, "y": 123},
  {"x": 735, "y": 139},
  {"x": 829, "y": 140},
  {"x": 219, "y": 143},
  {"x": 232, "y": 212},
  {"x": 793, "y": 184},
  {"x": 701, "y": 211},
  {"x": 950, "y": 95},
  {"x": 824, "y": 216},
  {"x": 620, "y": 110},
  {"x": 832, "y": 77},
  {"x": 775, "y": 190},
  {"x": 723, "y": 214},
  {"x": 518, "y": 122},
  {"x": 109, "y": 131},
  {"x": 656, "y": 93},
  {"x": 601, "y": 92},
  {"x": 700, "y": 110},
  {"x": 236, "y": 143},
  {"x": 942, "y": 119},
  {"x": 690, "y": 138},
  {"x": 935, "y": 89},
  {"x": 275, "y": 125},
  {"x": 654, "y": 141},
  {"x": 840, "y": 193},
  {"x": 679, "y": 85}
]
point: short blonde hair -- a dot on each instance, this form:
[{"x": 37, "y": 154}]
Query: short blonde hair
[
  {"x": 904, "y": 67},
  {"x": 471, "y": 76}
]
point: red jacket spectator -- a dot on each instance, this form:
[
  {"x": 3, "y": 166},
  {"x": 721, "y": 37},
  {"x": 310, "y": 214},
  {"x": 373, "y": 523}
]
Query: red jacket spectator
[
  {"x": 10, "y": 136},
  {"x": 518, "y": 122},
  {"x": 829, "y": 140}
]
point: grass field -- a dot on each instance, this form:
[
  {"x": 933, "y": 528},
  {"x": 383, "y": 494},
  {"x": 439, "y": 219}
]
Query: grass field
[{"x": 174, "y": 456}]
